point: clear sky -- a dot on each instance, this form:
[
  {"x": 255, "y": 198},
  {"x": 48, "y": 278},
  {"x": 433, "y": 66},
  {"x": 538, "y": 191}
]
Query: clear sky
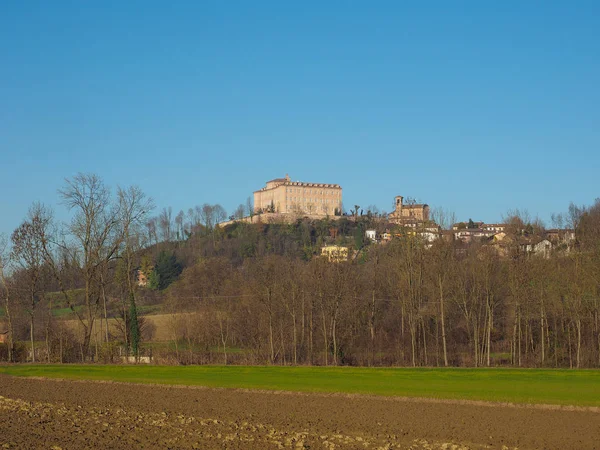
[{"x": 479, "y": 107}]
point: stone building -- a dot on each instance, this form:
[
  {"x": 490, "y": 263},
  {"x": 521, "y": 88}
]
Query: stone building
[
  {"x": 284, "y": 196},
  {"x": 409, "y": 212}
]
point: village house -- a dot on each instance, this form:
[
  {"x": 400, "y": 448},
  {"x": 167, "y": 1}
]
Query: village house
[
  {"x": 560, "y": 236},
  {"x": 430, "y": 233},
  {"x": 538, "y": 247},
  {"x": 464, "y": 225},
  {"x": 493, "y": 227},
  {"x": 472, "y": 234},
  {"x": 371, "y": 235},
  {"x": 142, "y": 279},
  {"x": 335, "y": 253}
]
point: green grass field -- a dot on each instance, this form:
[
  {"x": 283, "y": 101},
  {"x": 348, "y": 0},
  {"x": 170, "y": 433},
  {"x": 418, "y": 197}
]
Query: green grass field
[{"x": 544, "y": 386}]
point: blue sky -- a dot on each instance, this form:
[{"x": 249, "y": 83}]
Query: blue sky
[{"x": 478, "y": 107}]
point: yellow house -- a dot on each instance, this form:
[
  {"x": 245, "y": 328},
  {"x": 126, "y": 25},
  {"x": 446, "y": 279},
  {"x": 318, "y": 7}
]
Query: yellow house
[{"x": 335, "y": 253}]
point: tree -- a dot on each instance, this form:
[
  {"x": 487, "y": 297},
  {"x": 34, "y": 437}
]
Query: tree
[
  {"x": 359, "y": 237},
  {"x": 219, "y": 214},
  {"x": 100, "y": 230},
  {"x": 179, "y": 224},
  {"x": 207, "y": 216},
  {"x": 239, "y": 212},
  {"x": 153, "y": 280},
  {"x": 151, "y": 228},
  {"x": 440, "y": 274},
  {"x": 167, "y": 269},
  {"x": 588, "y": 226},
  {"x": 444, "y": 218},
  {"x": 6, "y": 292},
  {"x": 250, "y": 207},
  {"x": 134, "y": 327},
  {"x": 165, "y": 224},
  {"x": 28, "y": 252},
  {"x": 134, "y": 207}
]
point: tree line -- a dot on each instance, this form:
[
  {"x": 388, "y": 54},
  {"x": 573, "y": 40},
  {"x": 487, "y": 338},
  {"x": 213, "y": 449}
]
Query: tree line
[
  {"x": 400, "y": 304},
  {"x": 260, "y": 293}
]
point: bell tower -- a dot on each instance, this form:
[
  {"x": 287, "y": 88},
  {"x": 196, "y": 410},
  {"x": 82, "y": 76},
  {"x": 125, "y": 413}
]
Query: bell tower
[{"x": 398, "y": 204}]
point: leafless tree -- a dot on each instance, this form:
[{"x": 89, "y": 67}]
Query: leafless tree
[
  {"x": 165, "y": 222},
  {"x": 207, "y": 216},
  {"x": 239, "y": 212},
  {"x": 249, "y": 207},
  {"x": 151, "y": 225},
  {"x": 219, "y": 214},
  {"x": 444, "y": 218},
  {"x": 179, "y": 218},
  {"x": 5, "y": 285},
  {"x": 28, "y": 253},
  {"x": 99, "y": 228}
]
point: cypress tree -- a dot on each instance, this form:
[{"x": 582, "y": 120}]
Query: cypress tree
[{"x": 134, "y": 327}]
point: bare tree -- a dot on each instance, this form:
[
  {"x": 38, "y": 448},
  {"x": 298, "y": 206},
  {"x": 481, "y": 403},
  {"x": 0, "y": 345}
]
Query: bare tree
[
  {"x": 151, "y": 226},
  {"x": 219, "y": 214},
  {"x": 190, "y": 223},
  {"x": 165, "y": 224},
  {"x": 134, "y": 206},
  {"x": 444, "y": 218},
  {"x": 207, "y": 216},
  {"x": 28, "y": 253},
  {"x": 179, "y": 218},
  {"x": 6, "y": 291},
  {"x": 249, "y": 208},
  {"x": 239, "y": 212},
  {"x": 99, "y": 229}
]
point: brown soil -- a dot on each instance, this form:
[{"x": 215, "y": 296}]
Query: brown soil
[{"x": 53, "y": 414}]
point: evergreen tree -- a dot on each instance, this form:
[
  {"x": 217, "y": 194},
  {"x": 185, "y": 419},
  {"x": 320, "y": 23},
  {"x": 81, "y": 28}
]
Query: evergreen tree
[
  {"x": 167, "y": 269},
  {"x": 134, "y": 327},
  {"x": 359, "y": 236},
  {"x": 153, "y": 280}
]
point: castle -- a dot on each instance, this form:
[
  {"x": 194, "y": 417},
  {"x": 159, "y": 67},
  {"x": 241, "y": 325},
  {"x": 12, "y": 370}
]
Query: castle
[{"x": 282, "y": 195}]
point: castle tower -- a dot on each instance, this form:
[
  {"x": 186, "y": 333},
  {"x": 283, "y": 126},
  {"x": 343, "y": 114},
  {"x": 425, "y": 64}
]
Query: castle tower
[{"x": 398, "y": 203}]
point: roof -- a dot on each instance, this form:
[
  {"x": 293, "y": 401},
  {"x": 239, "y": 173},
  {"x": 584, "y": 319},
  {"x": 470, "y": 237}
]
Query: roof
[
  {"x": 303, "y": 183},
  {"x": 284, "y": 182}
]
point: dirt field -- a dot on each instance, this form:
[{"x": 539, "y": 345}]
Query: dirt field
[{"x": 51, "y": 414}]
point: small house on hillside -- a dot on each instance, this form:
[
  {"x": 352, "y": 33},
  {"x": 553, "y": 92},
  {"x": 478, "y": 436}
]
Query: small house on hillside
[
  {"x": 142, "y": 279},
  {"x": 371, "y": 235},
  {"x": 335, "y": 253},
  {"x": 541, "y": 248}
]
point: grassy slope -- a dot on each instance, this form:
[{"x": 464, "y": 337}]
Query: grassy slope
[{"x": 564, "y": 387}]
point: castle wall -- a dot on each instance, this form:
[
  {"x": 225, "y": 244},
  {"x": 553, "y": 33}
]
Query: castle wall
[{"x": 296, "y": 197}]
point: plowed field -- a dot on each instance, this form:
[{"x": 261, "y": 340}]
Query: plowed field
[{"x": 36, "y": 413}]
